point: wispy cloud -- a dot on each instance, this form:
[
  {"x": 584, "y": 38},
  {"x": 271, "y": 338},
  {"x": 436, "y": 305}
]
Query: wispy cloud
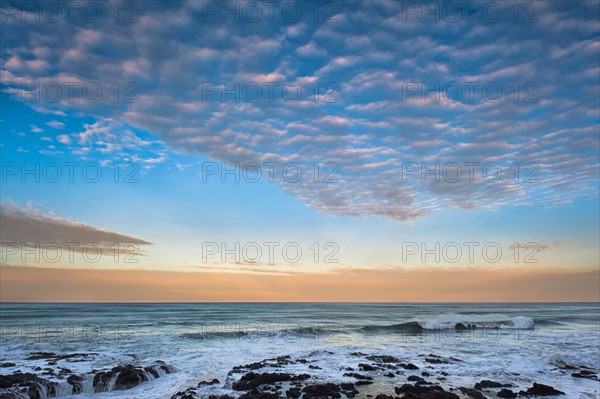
[{"x": 28, "y": 228}]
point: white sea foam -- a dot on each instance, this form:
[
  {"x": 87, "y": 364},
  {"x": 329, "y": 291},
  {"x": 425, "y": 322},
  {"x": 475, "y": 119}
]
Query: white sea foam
[{"x": 447, "y": 321}]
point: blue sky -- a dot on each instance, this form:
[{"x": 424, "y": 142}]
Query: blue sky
[{"x": 376, "y": 67}]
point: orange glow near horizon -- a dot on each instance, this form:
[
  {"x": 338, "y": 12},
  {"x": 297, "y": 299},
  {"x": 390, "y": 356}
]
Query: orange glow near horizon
[{"x": 33, "y": 284}]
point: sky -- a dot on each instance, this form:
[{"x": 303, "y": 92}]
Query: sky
[{"x": 300, "y": 151}]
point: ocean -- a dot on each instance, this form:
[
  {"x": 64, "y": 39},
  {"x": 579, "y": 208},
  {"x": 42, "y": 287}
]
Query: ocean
[{"x": 182, "y": 344}]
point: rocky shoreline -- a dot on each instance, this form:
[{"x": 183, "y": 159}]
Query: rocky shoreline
[
  {"x": 55, "y": 381},
  {"x": 377, "y": 376},
  {"x": 283, "y": 377}
]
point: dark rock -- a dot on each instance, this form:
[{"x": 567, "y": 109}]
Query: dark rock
[
  {"x": 347, "y": 386},
  {"x": 383, "y": 359},
  {"x": 41, "y": 355},
  {"x": 53, "y": 357},
  {"x": 34, "y": 386},
  {"x": 127, "y": 376},
  {"x": 408, "y": 366},
  {"x": 483, "y": 384},
  {"x": 253, "y": 380},
  {"x": 152, "y": 371},
  {"x": 541, "y": 390},
  {"x": 585, "y": 374},
  {"x": 312, "y": 366},
  {"x": 293, "y": 393},
  {"x": 255, "y": 394},
  {"x": 417, "y": 389},
  {"x": 383, "y": 396},
  {"x": 507, "y": 393},
  {"x": 391, "y": 375},
  {"x": 318, "y": 391},
  {"x": 415, "y": 378},
  {"x": 358, "y": 376},
  {"x": 75, "y": 382},
  {"x": 7, "y": 364},
  {"x": 472, "y": 393},
  {"x": 348, "y": 389},
  {"x": 214, "y": 381},
  {"x": 436, "y": 361},
  {"x": 364, "y": 382},
  {"x": 366, "y": 367}
]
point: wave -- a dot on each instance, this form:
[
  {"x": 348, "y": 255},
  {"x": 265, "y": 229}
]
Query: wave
[
  {"x": 454, "y": 321},
  {"x": 446, "y": 321}
]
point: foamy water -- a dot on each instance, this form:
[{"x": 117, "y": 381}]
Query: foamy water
[{"x": 520, "y": 343}]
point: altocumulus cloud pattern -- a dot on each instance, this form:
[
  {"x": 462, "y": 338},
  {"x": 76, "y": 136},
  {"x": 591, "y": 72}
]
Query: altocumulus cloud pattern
[{"x": 380, "y": 89}]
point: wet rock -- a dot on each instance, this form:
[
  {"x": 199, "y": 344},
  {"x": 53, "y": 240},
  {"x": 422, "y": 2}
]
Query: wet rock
[
  {"x": 417, "y": 389},
  {"x": 255, "y": 394},
  {"x": 424, "y": 392},
  {"x": 358, "y": 376},
  {"x": 383, "y": 396},
  {"x": 312, "y": 366},
  {"x": 391, "y": 375},
  {"x": 76, "y": 383},
  {"x": 253, "y": 380},
  {"x": 472, "y": 393},
  {"x": 483, "y": 384},
  {"x": 214, "y": 381},
  {"x": 382, "y": 359},
  {"x": 130, "y": 377},
  {"x": 436, "y": 361},
  {"x": 7, "y": 364},
  {"x": 507, "y": 393},
  {"x": 127, "y": 376},
  {"x": 29, "y": 384},
  {"x": 184, "y": 395},
  {"x": 541, "y": 390},
  {"x": 348, "y": 389},
  {"x": 53, "y": 357},
  {"x": 318, "y": 391},
  {"x": 589, "y": 374},
  {"x": 347, "y": 386},
  {"x": 293, "y": 393},
  {"x": 408, "y": 366},
  {"x": 366, "y": 367},
  {"x": 41, "y": 355}
]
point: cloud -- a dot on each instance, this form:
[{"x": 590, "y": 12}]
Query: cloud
[
  {"x": 35, "y": 129},
  {"x": 419, "y": 92},
  {"x": 23, "y": 228},
  {"x": 55, "y": 124}
]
